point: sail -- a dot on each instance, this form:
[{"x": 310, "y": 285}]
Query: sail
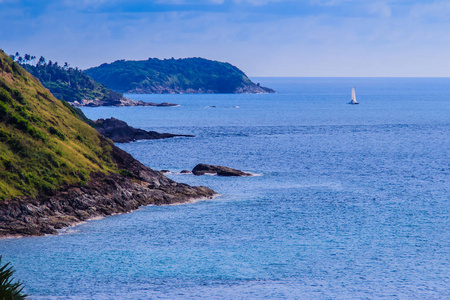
[{"x": 353, "y": 95}]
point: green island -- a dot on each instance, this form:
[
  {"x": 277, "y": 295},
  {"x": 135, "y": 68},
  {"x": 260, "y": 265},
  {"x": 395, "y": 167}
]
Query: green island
[
  {"x": 174, "y": 76},
  {"x": 57, "y": 170}
]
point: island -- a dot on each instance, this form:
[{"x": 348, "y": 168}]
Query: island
[
  {"x": 56, "y": 170},
  {"x": 174, "y": 76}
]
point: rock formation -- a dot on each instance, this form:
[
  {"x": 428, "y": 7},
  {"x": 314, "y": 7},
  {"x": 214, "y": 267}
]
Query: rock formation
[
  {"x": 120, "y": 132},
  {"x": 202, "y": 169}
]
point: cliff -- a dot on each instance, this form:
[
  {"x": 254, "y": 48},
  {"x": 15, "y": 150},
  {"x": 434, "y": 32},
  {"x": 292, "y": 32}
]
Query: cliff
[
  {"x": 174, "y": 76},
  {"x": 56, "y": 170}
]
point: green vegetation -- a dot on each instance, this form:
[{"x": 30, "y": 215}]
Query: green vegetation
[
  {"x": 8, "y": 288},
  {"x": 189, "y": 75},
  {"x": 44, "y": 143},
  {"x": 67, "y": 83}
]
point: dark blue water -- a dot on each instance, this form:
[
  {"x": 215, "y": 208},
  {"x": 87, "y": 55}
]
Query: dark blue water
[{"x": 351, "y": 202}]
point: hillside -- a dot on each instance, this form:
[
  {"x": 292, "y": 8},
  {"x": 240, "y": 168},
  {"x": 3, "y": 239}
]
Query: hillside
[
  {"x": 56, "y": 170},
  {"x": 189, "y": 75},
  {"x": 72, "y": 84}
]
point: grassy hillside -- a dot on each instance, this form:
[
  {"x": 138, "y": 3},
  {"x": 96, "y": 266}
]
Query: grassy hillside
[
  {"x": 189, "y": 75},
  {"x": 44, "y": 145}
]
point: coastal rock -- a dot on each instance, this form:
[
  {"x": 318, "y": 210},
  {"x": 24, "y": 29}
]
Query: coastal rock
[
  {"x": 185, "y": 172},
  {"x": 123, "y": 101},
  {"x": 104, "y": 194},
  {"x": 202, "y": 169},
  {"x": 120, "y": 132}
]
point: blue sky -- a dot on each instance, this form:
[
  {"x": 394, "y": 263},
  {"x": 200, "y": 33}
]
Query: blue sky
[{"x": 309, "y": 38}]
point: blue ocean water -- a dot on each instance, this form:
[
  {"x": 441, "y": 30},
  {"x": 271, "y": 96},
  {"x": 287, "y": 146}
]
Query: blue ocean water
[{"x": 350, "y": 201}]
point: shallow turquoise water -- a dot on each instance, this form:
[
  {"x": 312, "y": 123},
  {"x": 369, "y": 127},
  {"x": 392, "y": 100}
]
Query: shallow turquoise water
[{"x": 351, "y": 202}]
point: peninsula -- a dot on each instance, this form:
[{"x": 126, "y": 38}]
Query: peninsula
[
  {"x": 56, "y": 170},
  {"x": 73, "y": 86}
]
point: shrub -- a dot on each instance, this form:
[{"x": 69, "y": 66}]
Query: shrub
[
  {"x": 56, "y": 132},
  {"x": 8, "y": 288},
  {"x": 3, "y": 111},
  {"x": 5, "y": 96},
  {"x": 18, "y": 96}
]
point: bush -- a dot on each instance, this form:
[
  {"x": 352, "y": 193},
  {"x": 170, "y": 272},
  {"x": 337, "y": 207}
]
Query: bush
[
  {"x": 56, "y": 132},
  {"x": 5, "y": 96},
  {"x": 3, "y": 111},
  {"x": 18, "y": 96}
]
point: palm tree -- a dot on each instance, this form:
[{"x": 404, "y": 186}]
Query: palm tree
[{"x": 8, "y": 289}]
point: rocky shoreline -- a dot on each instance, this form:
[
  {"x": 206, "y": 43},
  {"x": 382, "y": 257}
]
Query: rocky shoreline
[
  {"x": 120, "y": 102},
  {"x": 103, "y": 195}
]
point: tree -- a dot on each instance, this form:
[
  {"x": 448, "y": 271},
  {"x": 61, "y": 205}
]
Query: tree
[
  {"x": 8, "y": 289},
  {"x": 41, "y": 61}
]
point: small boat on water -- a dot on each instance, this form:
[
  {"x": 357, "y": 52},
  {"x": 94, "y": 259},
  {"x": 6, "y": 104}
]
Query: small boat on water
[{"x": 353, "y": 97}]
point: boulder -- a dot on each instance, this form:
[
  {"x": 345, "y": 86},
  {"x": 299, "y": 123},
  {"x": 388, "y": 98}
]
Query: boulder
[{"x": 202, "y": 169}]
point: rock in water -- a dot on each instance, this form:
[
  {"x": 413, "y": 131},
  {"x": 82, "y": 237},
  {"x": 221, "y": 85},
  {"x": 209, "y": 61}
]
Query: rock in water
[
  {"x": 202, "y": 169},
  {"x": 120, "y": 132}
]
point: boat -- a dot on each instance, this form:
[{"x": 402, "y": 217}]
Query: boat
[{"x": 353, "y": 97}]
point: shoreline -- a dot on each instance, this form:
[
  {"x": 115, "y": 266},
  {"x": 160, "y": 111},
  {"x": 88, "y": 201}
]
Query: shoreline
[
  {"x": 103, "y": 195},
  {"x": 63, "y": 231}
]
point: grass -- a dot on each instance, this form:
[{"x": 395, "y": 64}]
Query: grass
[{"x": 44, "y": 143}]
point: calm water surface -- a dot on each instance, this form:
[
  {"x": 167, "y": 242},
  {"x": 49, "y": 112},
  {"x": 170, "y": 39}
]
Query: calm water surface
[{"x": 350, "y": 202}]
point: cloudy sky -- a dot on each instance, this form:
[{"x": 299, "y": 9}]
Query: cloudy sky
[{"x": 305, "y": 38}]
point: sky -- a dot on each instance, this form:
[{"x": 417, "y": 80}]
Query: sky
[{"x": 267, "y": 38}]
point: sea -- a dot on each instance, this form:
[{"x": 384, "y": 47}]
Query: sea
[{"x": 347, "y": 201}]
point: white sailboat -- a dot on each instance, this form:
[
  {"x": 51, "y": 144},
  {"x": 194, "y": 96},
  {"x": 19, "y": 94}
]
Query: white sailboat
[{"x": 353, "y": 97}]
